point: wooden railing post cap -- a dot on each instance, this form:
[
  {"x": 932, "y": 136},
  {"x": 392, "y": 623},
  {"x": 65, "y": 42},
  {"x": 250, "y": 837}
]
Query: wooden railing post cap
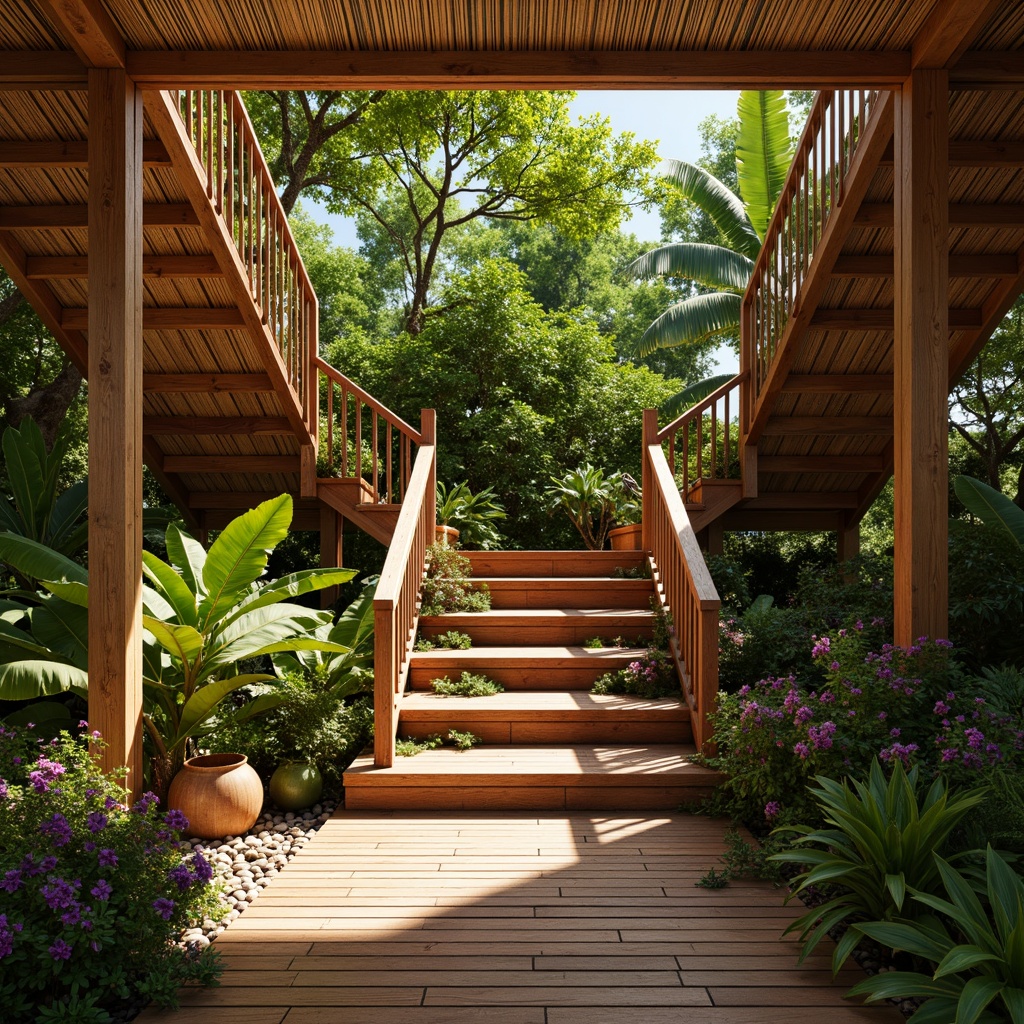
[{"x": 650, "y": 426}]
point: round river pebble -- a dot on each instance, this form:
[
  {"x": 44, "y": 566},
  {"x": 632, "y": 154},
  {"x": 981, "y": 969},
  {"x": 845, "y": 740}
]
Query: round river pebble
[{"x": 244, "y": 866}]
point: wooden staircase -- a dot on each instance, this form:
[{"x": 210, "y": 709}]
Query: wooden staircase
[{"x": 548, "y": 743}]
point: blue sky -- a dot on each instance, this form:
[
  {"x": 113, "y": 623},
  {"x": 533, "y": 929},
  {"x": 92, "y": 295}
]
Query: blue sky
[{"x": 670, "y": 118}]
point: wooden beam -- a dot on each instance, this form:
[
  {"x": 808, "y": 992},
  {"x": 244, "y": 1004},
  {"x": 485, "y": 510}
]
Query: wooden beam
[
  {"x": 949, "y": 30},
  {"x": 206, "y": 383},
  {"x": 171, "y": 485},
  {"x": 838, "y": 383},
  {"x": 769, "y": 520},
  {"x": 331, "y": 526},
  {"x": 153, "y": 319},
  {"x": 302, "y": 519},
  {"x": 819, "y": 464},
  {"x": 787, "y": 426},
  {"x": 44, "y": 302},
  {"x": 921, "y": 358},
  {"x": 876, "y": 136},
  {"x": 15, "y": 153},
  {"x": 882, "y": 319},
  {"x": 241, "y": 500},
  {"x": 848, "y": 545},
  {"x": 998, "y": 264},
  {"x": 809, "y": 501},
  {"x": 523, "y": 69},
  {"x": 185, "y": 426},
  {"x": 988, "y": 69},
  {"x": 37, "y": 71},
  {"x": 59, "y": 217},
  {"x": 115, "y": 420},
  {"x": 87, "y": 27},
  {"x": 976, "y": 153},
  {"x": 192, "y": 178},
  {"x": 231, "y": 464},
  {"x": 72, "y": 267},
  {"x": 961, "y": 215}
]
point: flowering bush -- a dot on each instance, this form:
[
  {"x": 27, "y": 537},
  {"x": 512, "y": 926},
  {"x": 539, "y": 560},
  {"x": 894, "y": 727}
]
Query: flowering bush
[
  {"x": 652, "y": 675},
  {"x": 905, "y": 704},
  {"x": 94, "y": 893}
]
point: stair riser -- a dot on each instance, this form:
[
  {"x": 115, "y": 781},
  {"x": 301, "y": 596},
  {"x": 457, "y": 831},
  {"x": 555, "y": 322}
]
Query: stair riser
[
  {"x": 506, "y": 594},
  {"x": 554, "y": 564},
  {"x": 523, "y": 798},
  {"x": 553, "y": 732},
  {"x": 515, "y": 678},
  {"x": 554, "y": 634}
]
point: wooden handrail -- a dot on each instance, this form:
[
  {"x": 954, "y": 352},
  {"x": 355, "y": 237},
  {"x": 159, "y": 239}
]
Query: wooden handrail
[
  {"x": 241, "y": 189},
  {"x": 396, "y": 604},
  {"x": 814, "y": 187},
  {"x": 684, "y": 588}
]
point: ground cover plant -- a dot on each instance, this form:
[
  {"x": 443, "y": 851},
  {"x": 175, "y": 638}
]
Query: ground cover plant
[
  {"x": 457, "y": 738},
  {"x": 654, "y": 674},
  {"x": 95, "y": 893},
  {"x": 446, "y": 586},
  {"x": 468, "y": 685},
  {"x": 452, "y": 640}
]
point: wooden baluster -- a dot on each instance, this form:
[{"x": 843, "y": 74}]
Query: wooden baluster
[
  {"x": 714, "y": 439},
  {"x": 373, "y": 435},
  {"x": 188, "y": 115},
  {"x": 700, "y": 447},
  {"x": 344, "y": 431},
  {"x": 672, "y": 453},
  {"x": 330, "y": 423},
  {"x": 209, "y": 143},
  {"x": 388, "y": 480},
  {"x": 359, "y": 439},
  {"x": 728, "y": 438},
  {"x": 686, "y": 460}
]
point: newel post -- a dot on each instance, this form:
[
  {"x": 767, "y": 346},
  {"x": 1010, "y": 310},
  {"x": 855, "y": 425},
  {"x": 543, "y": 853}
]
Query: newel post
[
  {"x": 428, "y": 431},
  {"x": 650, "y": 437}
]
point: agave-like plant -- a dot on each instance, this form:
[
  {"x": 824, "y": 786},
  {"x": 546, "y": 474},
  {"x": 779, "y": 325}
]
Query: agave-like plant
[
  {"x": 979, "y": 955},
  {"x": 879, "y": 844},
  {"x": 593, "y": 501}
]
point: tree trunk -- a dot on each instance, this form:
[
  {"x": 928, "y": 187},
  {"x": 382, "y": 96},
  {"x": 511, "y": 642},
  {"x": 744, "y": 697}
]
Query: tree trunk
[{"x": 47, "y": 405}]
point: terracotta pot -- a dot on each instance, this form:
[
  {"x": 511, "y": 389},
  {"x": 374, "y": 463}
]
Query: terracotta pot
[
  {"x": 626, "y": 538},
  {"x": 295, "y": 786},
  {"x": 446, "y": 535},
  {"x": 220, "y": 794}
]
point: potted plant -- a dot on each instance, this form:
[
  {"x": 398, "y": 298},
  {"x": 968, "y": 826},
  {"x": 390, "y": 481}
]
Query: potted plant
[
  {"x": 461, "y": 513},
  {"x": 595, "y": 503}
]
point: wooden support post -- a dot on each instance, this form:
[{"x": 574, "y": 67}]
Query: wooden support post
[
  {"x": 115, "y": 418},
  {"x": 428, "y": 431},
  {"x": 715, "y": 537},
  {"x": 331, "y": 524},
  {"x": 848, "y": 548},
  {"x": 921, "y": 356},
  {"x": 650, "y": 434}
]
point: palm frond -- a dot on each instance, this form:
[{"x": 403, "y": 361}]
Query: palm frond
[
  {"x": 694, "y": 393},
  {"x": 692, "y": 321},
  {"x": 711, "y": 265},
  {"x": 764, "y": 151}
]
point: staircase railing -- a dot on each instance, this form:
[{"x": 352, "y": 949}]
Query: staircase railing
[
  {"x": 684, "y": 585},
  {"x": 815, "y": 187},
  {"x": 241, "y": 189},
  {"x": 396, "y": 604},
  {"x": 705, "y": 442},
  {"x": 361, "y": 438}
]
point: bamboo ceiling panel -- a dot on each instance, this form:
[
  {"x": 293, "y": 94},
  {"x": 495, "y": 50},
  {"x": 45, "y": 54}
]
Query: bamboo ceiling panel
[
  {"x": 200, "y": 352},
  {"x": 408, "y": 25},
  {"x": 236, "y": 483},
  {"x": 227, "y": 444}
]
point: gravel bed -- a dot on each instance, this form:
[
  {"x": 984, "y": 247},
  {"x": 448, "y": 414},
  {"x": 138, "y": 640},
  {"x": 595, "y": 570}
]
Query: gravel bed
[{"x": 247, "y": 864}]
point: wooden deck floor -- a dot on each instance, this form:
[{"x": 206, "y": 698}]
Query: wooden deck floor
[{"x": 518, "y": 918}]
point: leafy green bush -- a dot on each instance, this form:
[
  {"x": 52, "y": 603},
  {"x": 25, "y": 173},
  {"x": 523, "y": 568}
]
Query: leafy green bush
[
  {"x": 652, "y": 675},
  {"x": 878, "y": 843},
  {"x": 446, "y": 586},
  {"x": 452, "y": 640},
  {"x": 977, "y": 954},
  {"x": 469, "y": 685},
  {"x": 763, "y": 641},
  {"x": 459, "y": 740},
  {"x": 593, "y": 502},
  {"x": 473, "y": 515},
  {"x": 95, "y": 893}
]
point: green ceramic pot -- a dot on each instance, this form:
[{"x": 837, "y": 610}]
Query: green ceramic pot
[{"x": 295, "y": 786}]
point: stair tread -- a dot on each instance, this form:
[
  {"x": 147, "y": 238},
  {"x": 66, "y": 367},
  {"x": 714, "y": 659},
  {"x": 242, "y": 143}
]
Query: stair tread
[
  {"x": 528, "y": 705},
  {"x": 496, "y": 615},
  {"x": 650, "y": 764},
  {"x": 552, "y": 657},
  {"x": 566, "y": 581}
]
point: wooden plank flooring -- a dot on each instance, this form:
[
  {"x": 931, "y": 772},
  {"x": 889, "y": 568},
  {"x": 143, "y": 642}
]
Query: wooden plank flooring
[{"x": 515, "y": 918}]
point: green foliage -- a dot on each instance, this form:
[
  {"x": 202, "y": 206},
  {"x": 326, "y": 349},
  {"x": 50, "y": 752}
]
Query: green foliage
[
  {"x": 468, "y": 685},
  {"x": 977, "y": 951},
  {"x": 765, "y": 640},
  {"x": 713, "y": 879},
  {"x": 452, "y": 640},
  {"x": 654, "y": 674},
  {"x": 463, "y": 740},
  {"x": 97, "y": 894},
  {"x": 991, "y": 507},
  {"x": 458, "y": 739},
  {"x": 473, "y": 515},
  {"x": 764, "y": 151},
  {"x": 446, "y": 586},
  {"x": 879, "y": 844},
  {"x": 595, "y": 643},
  {"x": 744, "y": 858},
  {"x": 593, "y": 502}
]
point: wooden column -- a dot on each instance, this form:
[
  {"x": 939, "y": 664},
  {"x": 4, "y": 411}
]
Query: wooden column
[
  {"x": 115, "y": 418},
  {"x": 331, "y": 525},
  {"x": 715, "y": 538},
  {"x": 921, "y": 356}
]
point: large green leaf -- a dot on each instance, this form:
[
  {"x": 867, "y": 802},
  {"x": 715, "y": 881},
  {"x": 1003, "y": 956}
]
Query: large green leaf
[
  {"x": 38, "y": 561},
  {"x": 74, "y": 593},
  {"x": 27, "y": 680},
  {"x": 27, "y": 473},
  {"x": 990, "y": 506},
  {"x": 183, "y": 642},
  {"x": 238, "y": 556},
  {"x": 299, "y": 619},
  {"x": 64, "y": 628},
  {"x": 719, "y": 202},
  {"x": 16, "y": 644},
  {"x": 711, "y": 265},
  {"x": 67, "y": 531},
  {"x": 293, "y": 585},
  {"x": 692, "y": 321},
  {"x": 188, "y": 555},
  {"x": 690, "y": 396},
  {"x": 204, "y": 701},
  {"x": 764, "y": 152},
  {"x": 172, "y": 587},
  {"x": 355, "y": 626}
]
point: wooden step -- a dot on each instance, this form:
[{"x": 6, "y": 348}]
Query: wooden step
[
  {"x": 523, "y": 668},
  {"x": 535, "y": 777},
  {"x": 553, "y": 564},
  {"x": 543, "y": 627},
  {"x": 549, "y": 717},
  {"x": 582, "y": 592}
]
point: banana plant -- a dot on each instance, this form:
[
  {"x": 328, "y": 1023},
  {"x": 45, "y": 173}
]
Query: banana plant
[
  {"x": 203, "y": 613},
  {"x": 992, "y": 507}
]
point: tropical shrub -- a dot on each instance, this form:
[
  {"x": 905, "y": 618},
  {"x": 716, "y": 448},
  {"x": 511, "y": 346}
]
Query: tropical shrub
[
  {"x": 654, "y": 674},
  {"x": 446, "y": 586},
  {"x": 473, "y": 515},
  {"x": 95, "y": 894},
  {"x": 593, "y": 502},
  {"x": 977, "y": 953},
  {"x": 877, "y": 844},
  {"x": 762, "y": 641}
]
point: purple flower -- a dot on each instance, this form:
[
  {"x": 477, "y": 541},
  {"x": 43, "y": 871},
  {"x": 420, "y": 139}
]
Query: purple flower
[
  {"x": 11, "y": 881},
  {"x": 7, "y": 932},
  {"x": 803, "y": 714},
  {"x": 201, "y": 867},
  {"x": 45, "y": 775},
  {"x": 60, "y": 950},
  {"x": 58, "y": 829},
  {"x": 59, "y": 894},
  {"x": 802, "y": 750},
  {"x": 164, "y": 907},
  {"x": 72, "y": 915},
  {"x": 102, "y": 890},
  {"x": 176, "y": 820},
  {"x": 941, "y": 708},
  {"x": 771, "y": 809},
  {"x": 181, "y": 876},
  {"x": 3, "y": 790},
  {"x": 821, "y": 735},
  {"x": 823, "y": 646},
  {"x": 107, "y": 858},
  {"x": 143, "y": 804},
  {"x": 96, "y": 822}
]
